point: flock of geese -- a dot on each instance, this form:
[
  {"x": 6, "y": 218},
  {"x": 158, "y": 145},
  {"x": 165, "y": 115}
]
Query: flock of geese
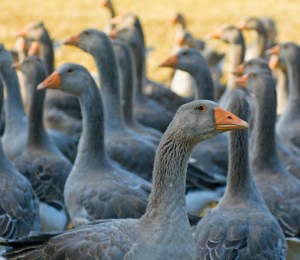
[{"x": 124, "y": 171}]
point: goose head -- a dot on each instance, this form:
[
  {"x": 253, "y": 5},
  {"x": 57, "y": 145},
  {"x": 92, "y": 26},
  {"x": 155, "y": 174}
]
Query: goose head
[
  {"x": 288, "y": 52},
  {"x": 69, "y": 77},
  {"x": 186, "y": 59},
  {"x": 34, "y": 31},
  {"x": 228, "y": 33},
  {"x": 203, "y": 119}
]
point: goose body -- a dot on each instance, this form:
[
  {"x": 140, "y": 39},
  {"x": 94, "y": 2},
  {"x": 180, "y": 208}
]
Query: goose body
[
  {"x": 96, "y": 187},
  {"x": 163, "y": 232}
]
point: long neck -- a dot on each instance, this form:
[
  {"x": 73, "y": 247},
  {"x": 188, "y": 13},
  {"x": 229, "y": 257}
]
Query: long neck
[
  {"x": 91, "y": 146},
  {"x": 109, "y": 79},
  {"x": 282, "y": 92},
  {"x": 15, "y": 116},
  {"x": 236, "y": 57},
  {"x": 47, "y": 53},
  {"x": 264, "y": 126},
  {"x": 294, "y": 80},
  {"x": 261, "y": 41},
  {"x": 169, "y": 174},
  {"x": 127, "y": 89},
  {"x": 204, "y": 83},
  {"x": 140, "y": 67},
  {"x": 37, "y": 135}
]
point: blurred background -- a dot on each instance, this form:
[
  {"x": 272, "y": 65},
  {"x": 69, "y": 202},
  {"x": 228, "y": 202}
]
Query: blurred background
[{"x": 64, "y": 18}]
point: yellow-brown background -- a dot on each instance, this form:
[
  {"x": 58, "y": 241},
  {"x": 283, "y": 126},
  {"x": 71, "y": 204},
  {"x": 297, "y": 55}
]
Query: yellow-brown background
[{"x": 64, "y": 18}]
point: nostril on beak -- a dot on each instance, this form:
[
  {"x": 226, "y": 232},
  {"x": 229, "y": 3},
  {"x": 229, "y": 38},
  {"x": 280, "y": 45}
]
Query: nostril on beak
[{"x": 229, "y": 117}]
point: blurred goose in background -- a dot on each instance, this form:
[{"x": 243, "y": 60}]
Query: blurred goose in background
[
  {"x": 233, "y": 37},
  {"x": 271, "y": 28},
  {"x": 280, "y": 189},
  {"x": 108, "y": 5},
  {"x": 287, "y": 157},
  {"x": 126, "y": 147},
  {"x": 163, "y": 232},
  {"x": 41, "y": 162},
  {"x": 62, "y": 111},
  {"x": 288, "y": 124},
  {"x": 241, "y": 226},
  {"x": 258, "y": 47},
  {"x": 16, "y": 124},
  {"x": 130, "y": 30},
  {"x": 212, "y": 155},
  {"x": 127, "y": 87},
  {"x": 19, "y": 205},
  {"x": 96, "y": 188}
]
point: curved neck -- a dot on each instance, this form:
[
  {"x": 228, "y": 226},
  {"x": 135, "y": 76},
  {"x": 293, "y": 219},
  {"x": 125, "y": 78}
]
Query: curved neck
[
  {"x": 37, "y": 135},
  {"x": 282, "y": 91},
  {"x": 47, "y": 52},
  {"x": 140, "y": 70},
  {"x": 109, "y": 81},
  {"x": 294, "y": 80},
  {"x": 15, "y": 116},
  {"x": 204, "y": 83},
  {"x": 261, "y": 41},
  {"x": 236, "y": 57},
  {"x": 264, "y": 126},
  {"x": 127, "y": 88},
  {"x": 169, "y": 174},
  {"x": 91, "y": 145}
]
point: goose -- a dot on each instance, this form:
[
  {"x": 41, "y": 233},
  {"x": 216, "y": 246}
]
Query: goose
[
  {"x": 280, "y": 189},
  {"x": 123, "y": 145},
  {"x": 125, "y": 66},
  {"x": 287, "y": 157},
  {"x": 258, "y": 48},
  {"x": 163, "y": 232},
  {"x": 241, "y": 226},
  {"x": 212, "y": 155},
  {"x": 41, "y": 162},
  {"x": 96, "y": 188},
  {"x": 233, "y": 36},
  {"x": 16, "y": 126},
  {"x": 62, "y": 111},
  {"x": 19, "y": 205},
  {"x": 288, "y": 125},
  {"x": 130, "y": 30}
]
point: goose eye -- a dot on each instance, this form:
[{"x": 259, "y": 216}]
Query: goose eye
[
  {"x": 70, "y": 71},
  {"x": 86, "y": 33},
  {"x": 201, "y": 108},
  {"x": 184, "y": 53}
]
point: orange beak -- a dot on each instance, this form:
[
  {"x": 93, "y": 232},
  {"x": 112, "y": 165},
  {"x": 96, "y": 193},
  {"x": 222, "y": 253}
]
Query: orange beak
[
  {"x": 22, "y": 33},
  {"x": 52, "y": 81},
  {"x": 116, "y": 20},
  {"x": 273, "y": 62},
  {"x": 226, "y": 121},
  {"x": 16, "y": 65},
  {"x": 72, "y": 40},
  {"x": 170, "y": 62},
  {"x": 239, "y": 70},
  {"x": 172, "y": 20},
  {"x": 242, "y": 80},
  {"x": 104, "y": 3},
  {"x": 34, "y": 49},
  {"x": 273, "y": 51},
  {"x": 242, "y": 25},
  {"x": 113, "y": 33},
  {"x": 213, "y": 35},
  {"x": 180, "y": 41},
  {"x": 21, "y": 44}
]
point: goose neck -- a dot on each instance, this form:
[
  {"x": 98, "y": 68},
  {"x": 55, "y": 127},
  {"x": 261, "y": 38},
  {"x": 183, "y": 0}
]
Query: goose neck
[
  {"x": 15, "y": 114},
  {"x": 91, "y": 145},
  {"x": 236, "y": 57},
  {"x": 109, "y": 81},
  {"x": 294, "y": 80},
  {"x": 47, "y": 53},
  {"x": 169, "y": 174},
  {"x": 204, "y": 83},
  {"x": 264, "y": 126}
]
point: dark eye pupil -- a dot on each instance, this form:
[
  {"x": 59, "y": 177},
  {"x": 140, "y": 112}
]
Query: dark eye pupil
[
  {"x": 201, "y": 108},
  {"x": 70, "y": 70}
]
